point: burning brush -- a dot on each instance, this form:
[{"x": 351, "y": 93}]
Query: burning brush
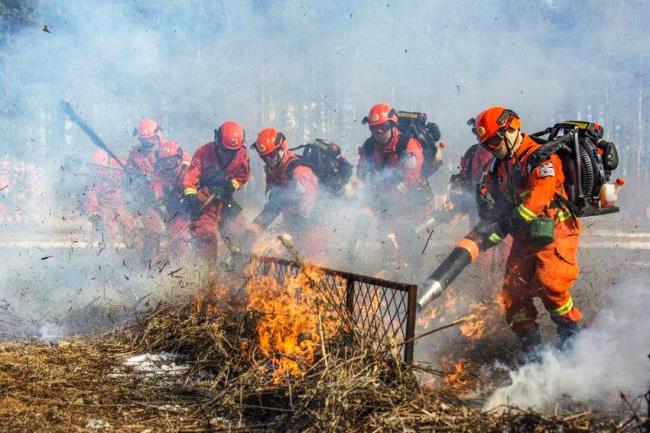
[{"x": 294, "y": 321}]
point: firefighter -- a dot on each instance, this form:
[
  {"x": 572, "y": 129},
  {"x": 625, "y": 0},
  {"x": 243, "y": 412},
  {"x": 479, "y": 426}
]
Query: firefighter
[
  {"x": 154, "y": 173},
  {"x": 379, "y": 161},
  {"x": 392, "y": 173},
  {"x": 530, "y": 206},
  {"x": 218, "y": 169},
  {"x": 169, "y": 169},
  {"x": 104, "y": 203},
  {"x": 292, "y": 190}
]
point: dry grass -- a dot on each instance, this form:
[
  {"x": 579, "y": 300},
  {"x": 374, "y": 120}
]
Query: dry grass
[{"x": 61, "y": 388}]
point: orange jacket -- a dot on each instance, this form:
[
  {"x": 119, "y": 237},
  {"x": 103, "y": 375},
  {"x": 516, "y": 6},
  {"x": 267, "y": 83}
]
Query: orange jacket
[
  {"x": 374, "y": 158},
  {"x": 208, "y": 170},
  {"x": 532, "y": 193},
  {"x": 292, "y": 191}
]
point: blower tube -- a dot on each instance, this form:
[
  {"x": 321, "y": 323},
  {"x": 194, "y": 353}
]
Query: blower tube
[{"x": 463, "y": 254}]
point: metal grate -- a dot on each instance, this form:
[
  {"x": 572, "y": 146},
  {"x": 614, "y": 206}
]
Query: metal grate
[{"x": 381, "y": 310}]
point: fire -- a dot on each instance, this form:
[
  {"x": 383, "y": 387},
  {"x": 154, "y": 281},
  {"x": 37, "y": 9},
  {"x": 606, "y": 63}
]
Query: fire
[
  {"x": 294, "y": 322},
  {"x": 451, "y": 304},
  {"x": 427, "y": 317},
  {"x": 211, "y": 303},
  {"x": 458, "y": 379},
  {"x": 475, "y": 329}
]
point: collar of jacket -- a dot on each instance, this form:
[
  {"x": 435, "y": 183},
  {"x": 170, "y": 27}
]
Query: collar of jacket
[{"x": 526, "y": 144}]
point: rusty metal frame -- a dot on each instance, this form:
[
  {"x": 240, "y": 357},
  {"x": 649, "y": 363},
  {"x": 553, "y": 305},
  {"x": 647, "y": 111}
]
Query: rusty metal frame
[{"x": 380, "y": 309}]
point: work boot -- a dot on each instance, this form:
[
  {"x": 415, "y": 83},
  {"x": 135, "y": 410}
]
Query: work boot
[
  {"x": 531, "y": 345},
  {"x": 566, "y": 332}
]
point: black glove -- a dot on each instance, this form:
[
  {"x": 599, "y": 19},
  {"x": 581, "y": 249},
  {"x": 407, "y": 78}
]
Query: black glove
[
  {"x": 485, "y": 204},
  {"x": 511, "y": 222},
  {"x": 191, "y": 206},
  {"x": 488, "y": 234},
  {"x": 224, "y": 190}
]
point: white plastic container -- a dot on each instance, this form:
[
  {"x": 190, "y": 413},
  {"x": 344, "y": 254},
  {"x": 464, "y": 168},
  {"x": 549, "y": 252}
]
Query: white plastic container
[{"x": 609, "y": 193}]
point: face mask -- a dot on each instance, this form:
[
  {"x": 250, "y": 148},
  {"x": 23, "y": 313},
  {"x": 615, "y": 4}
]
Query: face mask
[
  {"x": 149, "y": 143},
  {"x": 509, "y": 145},
  {"x": 381, "y": 133},
  {"x": 274, "y": 159}
]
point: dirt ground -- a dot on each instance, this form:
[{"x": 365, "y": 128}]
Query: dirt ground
[{"x": 55, "y": 286}]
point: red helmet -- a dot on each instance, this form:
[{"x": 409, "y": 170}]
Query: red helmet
[
  {"x": 380, "y": 113},
  {"x": 269, "y": 140},
  {"x": 148, "y": 128},
  {"x": 490, "y": 125},
  {"x": 169, "y": 149},
  {"x": 230, "y": 135}
]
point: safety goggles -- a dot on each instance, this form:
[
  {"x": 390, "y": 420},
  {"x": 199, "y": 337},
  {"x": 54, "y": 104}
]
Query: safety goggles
[
  {"x": 493, "y": 142},
  {"x": 380, "y": 129},
  {"x": 271, "y": 159}
]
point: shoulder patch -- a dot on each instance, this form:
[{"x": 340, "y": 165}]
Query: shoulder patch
[{"x": 546, "y": 170}]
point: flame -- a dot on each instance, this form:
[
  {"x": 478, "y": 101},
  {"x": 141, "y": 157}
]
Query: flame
[
  {"x": 451, "y": 304},
  {"x": 294, "y": 322},
  {"x": 458, "y": 379},
  {"x": 210, "y": 303},
  {"x": 427, "y": 317},
  {"x": 270, "y": 246},
  {"x": 475, "y": 329}
]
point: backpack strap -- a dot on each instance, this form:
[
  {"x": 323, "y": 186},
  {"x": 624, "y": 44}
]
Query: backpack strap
[
  {"x": 216, "y": 176},
  {"x": 544, "y": 152},
  {"x": 403, "y": 142},
  {"x": 367, "y": 149}
]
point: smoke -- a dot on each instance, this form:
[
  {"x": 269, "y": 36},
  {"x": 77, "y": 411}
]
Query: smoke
[
  {"x": 607, "y": 358},
  {"x": 308, "y": 69},
  {"x": 194, "y": 65}
]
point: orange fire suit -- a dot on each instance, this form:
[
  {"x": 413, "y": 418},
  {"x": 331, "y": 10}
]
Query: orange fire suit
[
  {"x": 395, "y": 186},
  {"x": 156, "y": 190},
  {"x": 407, "y": 167},
  {"x": 546, "y": 272},
  {"x": 292, "y": 191},
  {"x": 219, "y": 172},
  {"x": 104, "y": 202},
  {"x": 394, "y": 178}
]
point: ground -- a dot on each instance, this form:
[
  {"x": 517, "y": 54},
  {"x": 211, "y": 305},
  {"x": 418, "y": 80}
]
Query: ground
[{"x": 60, "y": 383}]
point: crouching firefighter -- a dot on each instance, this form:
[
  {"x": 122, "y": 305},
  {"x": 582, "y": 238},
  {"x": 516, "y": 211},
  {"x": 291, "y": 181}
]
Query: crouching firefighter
[
  {"x": 153, "y": 174},
  {"x": 532, "y": 206},
  {"x": 291, "y": 189},
  {"x": 217, "y": 170}
]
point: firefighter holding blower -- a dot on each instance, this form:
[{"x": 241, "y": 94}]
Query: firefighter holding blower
[{"x": 524, "y": 194}]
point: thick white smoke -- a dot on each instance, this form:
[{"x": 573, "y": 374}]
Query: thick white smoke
[
  {"x": 607, "y": 358},
  {"x": 309, "y": 69}
]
